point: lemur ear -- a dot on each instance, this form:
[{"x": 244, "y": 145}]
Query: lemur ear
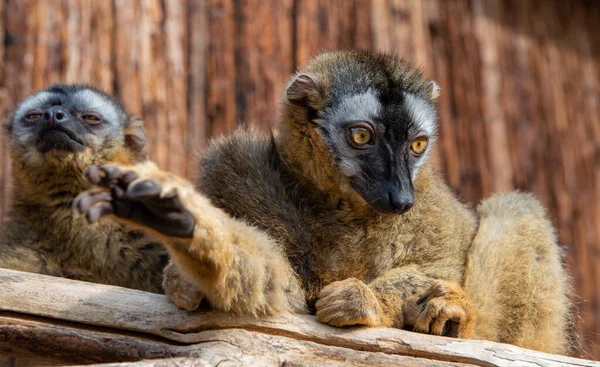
[
  {"x": 304, "y": 89},
  {"x": 135, "y": 135},
  {"x": 433, "y": 90}
]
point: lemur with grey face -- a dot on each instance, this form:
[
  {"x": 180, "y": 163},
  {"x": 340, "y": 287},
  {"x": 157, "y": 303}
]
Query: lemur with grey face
[
  {"x": 342, "y": 214},
  {"x": 54, "y": 135}
]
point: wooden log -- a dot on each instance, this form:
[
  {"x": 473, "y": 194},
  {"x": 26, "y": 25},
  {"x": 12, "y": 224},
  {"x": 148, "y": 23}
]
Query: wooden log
[{"x": 55, "y": 320}]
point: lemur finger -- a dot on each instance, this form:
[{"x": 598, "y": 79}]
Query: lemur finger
[
  {"x": 127, "y": 178},
  {"x": 423, "y": 323},
  {"x": 439, "y": 326},
  {"x": 437, "y": 289},
  {"x": 92, "y": 173},
  {"x": 98, "y": 210},
  {"x": 102, "y": 176},
  {"x": 143, "y": 190},
  {"x": 431, "y": 311},
  {"x": 85, "y": 200}
]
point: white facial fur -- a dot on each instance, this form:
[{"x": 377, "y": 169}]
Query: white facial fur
[
  {"x": 96, "y": 102},
  {"x": 358, "y": 107},
  {"x": 32, "y": 102},
  {"x": 24, "y": 135},
  {"x": 424, "y": 116},
  {"x": 421, "y": 113}
]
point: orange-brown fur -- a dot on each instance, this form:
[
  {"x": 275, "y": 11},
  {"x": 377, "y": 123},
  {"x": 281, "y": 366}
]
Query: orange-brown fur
[{"x": 279, "y": 228}]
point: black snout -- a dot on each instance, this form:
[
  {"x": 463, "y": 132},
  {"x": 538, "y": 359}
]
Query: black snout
[
  {"x": 59, "y": 131},
  {"x": 55, "y": 115},
  {"x": 401, "y": 201}
]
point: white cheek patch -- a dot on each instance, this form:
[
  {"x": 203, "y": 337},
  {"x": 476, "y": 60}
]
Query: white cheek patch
[
  {"x": 35, "y": 101},
  {"x": 349, "y": 167},
  {"x": 97, "y": 103},
  {"x": 421, "y": 113},
  {"x": 359, "y": 107}
]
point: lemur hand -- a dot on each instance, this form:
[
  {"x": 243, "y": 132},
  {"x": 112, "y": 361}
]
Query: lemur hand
[{"x": 141, "y": 194}]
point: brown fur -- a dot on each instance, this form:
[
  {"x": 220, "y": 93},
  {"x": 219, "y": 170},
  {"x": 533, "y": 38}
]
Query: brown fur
[
  {"x": 278, "y": 228},
  {"x": 43, "y": 236}
]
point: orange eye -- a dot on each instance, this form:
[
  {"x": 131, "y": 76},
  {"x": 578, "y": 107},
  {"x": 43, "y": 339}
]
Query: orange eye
[
  {"x": 419, "y": 145},
  {"x": 360, "y": 134},
  {"x": 91, "y": 118}
]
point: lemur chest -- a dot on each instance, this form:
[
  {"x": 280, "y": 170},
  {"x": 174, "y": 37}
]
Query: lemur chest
[
  {"x": 357, "y": 256},
  {"x": 106, "y": 252}
]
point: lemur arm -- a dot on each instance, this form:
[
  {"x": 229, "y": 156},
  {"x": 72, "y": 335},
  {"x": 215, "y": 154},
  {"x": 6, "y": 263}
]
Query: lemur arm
[
  {"x": 236, "y": 267},
  {"x": 403, "y": 297}
]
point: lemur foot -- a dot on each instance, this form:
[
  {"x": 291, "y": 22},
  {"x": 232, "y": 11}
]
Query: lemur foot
[
  {"x": 181, "y": 292},
  {"x": 444, "y": 309},
  {"x": 348, "y": 302},
  {"x": 142, "y": 195}
]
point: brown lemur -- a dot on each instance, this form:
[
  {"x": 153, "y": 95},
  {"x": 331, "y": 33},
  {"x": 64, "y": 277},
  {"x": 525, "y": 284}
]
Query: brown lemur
[
  {"x": 342, "y": 214},
  {"x": 54, "y": 135}
]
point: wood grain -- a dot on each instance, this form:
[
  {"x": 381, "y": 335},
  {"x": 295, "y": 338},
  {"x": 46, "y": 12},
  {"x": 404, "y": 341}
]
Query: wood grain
[
  {"x": 79, "y": 322},
  {"x": 520, "y": 80}
]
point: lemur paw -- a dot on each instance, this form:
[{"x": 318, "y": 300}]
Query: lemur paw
[
  {"x": 140, "y": 194},
  {"x": 181, "y": 292},
  {"x": 348, "y": 302},
  {"x": 444, "y": 309}
]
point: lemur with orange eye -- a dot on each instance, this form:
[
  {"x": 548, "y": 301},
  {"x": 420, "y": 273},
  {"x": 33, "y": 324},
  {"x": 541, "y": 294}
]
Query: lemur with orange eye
[
  {"x": 342, "y": 214},
  {"x": 53, "y": 136}
]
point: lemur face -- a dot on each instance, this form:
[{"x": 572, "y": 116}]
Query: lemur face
[
  {"x": 378, "y": 120},
  {"x": 67, "y": 123},
  {"x": 379, "y": 144}
]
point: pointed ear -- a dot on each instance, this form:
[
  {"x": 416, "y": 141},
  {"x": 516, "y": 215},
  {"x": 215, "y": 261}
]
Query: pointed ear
[
  {"x": 135, "y": 135},
  {"x": 304, "y": 89},
  {"x": 433, "y": 90}
]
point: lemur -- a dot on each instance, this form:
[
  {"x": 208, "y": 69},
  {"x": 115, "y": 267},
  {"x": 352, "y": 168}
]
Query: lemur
[
  {"x": 54, "y": 135},
  {"x": 342, "y": 214}
]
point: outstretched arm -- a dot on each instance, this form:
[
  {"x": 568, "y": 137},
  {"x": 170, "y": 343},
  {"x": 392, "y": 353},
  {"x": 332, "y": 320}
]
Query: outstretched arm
[{"x": 235, "y": 266}]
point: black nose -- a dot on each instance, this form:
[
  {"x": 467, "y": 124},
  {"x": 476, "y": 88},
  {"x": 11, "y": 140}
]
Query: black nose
[
  {"x": 55, "y": 115},
  {"x": 401, "y": 201}
]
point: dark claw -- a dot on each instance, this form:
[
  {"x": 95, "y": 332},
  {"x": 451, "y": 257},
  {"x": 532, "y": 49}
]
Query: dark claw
[
  {"x": 143, "y": 189},
  {"x": 98, "y": 210}
]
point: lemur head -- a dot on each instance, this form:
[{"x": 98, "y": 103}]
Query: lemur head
[
  {"x": 73, "y": 126},
  {"x": 373, "y": 118}
]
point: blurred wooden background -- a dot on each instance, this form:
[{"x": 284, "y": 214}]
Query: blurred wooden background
[{"x": 520, "y": 105}]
